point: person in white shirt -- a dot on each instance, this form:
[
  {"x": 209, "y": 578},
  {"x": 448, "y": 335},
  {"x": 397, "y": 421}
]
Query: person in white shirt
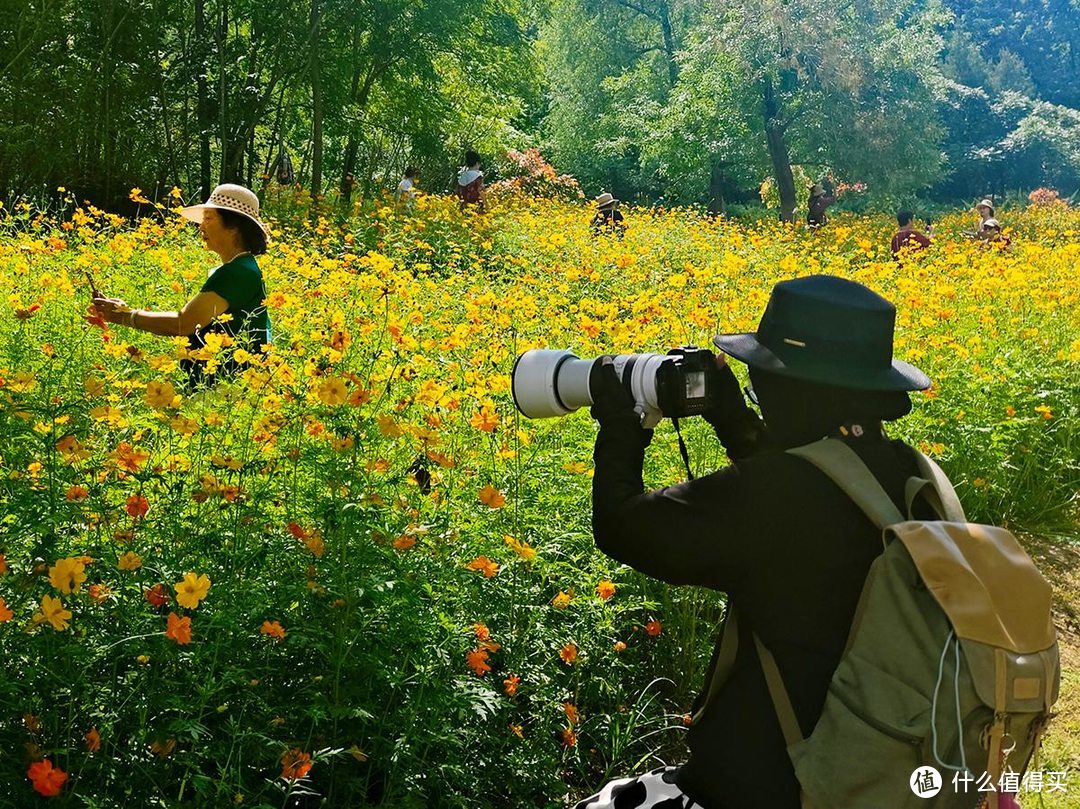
[{"x": 406, "y": 190}]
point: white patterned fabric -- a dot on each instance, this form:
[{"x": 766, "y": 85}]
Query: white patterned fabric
[{"x": 654, "y": 790}]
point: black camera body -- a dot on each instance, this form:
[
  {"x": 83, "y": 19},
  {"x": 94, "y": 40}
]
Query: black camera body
[{"x": 683, "y": 383}]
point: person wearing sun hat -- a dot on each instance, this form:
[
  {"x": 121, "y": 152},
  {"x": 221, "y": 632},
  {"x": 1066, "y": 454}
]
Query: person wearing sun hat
[
  {"x": 789, "y": 548},
  {"x": 608, "y": 217},
  {"x": 230, "y": 226},
  {"x": 989, "y": 228}
]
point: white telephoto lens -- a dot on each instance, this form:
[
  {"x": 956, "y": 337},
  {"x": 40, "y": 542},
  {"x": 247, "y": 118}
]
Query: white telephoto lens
[
  {"x": 642, "y": 370},
  {"x": 550, "y": 382}
]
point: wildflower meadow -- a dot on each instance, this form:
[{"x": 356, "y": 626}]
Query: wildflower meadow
[{"x": 355, "y": 575}]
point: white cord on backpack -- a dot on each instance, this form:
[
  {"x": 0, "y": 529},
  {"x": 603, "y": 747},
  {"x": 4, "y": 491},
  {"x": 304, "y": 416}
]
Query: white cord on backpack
[{"x": 933, "y": 705}]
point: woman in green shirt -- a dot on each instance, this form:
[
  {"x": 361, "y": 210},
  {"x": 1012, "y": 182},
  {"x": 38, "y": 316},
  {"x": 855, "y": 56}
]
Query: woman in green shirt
[{"x": 230, "y": 226}]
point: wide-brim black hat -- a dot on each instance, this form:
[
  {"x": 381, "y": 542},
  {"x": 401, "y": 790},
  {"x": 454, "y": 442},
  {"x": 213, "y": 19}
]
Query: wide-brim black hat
[{"x": 829, "y": 330}]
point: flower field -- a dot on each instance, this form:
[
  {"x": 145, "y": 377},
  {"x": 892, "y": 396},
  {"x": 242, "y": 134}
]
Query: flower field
[{"x": 355, "y": 574}]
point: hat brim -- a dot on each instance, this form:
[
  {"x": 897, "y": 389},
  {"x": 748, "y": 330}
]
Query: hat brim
[
  {"x": 746, "y": 348},
  {"x": 194, "y": 213}
]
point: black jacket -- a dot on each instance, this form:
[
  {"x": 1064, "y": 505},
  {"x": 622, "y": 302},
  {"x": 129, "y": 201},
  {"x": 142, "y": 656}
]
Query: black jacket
[{"x": 790, "y": 550}]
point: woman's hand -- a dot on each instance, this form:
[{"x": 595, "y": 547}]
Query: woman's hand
[{"x": 111, "y": 310}]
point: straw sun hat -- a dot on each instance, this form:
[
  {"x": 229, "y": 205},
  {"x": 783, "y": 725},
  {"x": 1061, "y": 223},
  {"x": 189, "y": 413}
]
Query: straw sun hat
[
  {"x": 605, "y": 200},
  {"x": 229, "y": 197}
]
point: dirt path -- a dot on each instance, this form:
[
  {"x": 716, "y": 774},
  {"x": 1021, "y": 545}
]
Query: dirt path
[{"x": 1059, "y": 560}]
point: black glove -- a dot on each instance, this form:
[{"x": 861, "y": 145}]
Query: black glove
[
  {"x": 610, "y": 397},
  {"x": 613, "y": 406},
  {"x": 730, "y": 405},
  {"x": 737, "y": 426}
]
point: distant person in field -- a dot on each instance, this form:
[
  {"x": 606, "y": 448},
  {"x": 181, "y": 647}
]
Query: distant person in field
[
  {"x": 230, "y": 226},
  {"x": 989, "y": 230},
  {"x": 470, "y": 182},
  {"x": 609, "y": 218},
  {"x": 406, "y": 190},
  {"x": 820, "y": 200},
  {"x": 985, "y": 210},
  {"x": 907, "y": 238}
]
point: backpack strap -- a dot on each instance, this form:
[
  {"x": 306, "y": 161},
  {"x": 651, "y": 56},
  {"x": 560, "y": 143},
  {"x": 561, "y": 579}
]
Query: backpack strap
[
  {"x": 951, "y": 511},
  {"x": 725, "y": 660},
  {"x": 844, "y": 468},
  {"x": 785, "y": 712}
]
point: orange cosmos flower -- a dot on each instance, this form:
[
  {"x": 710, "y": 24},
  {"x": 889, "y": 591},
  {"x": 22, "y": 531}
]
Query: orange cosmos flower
[
  {"x": 620, "y": 646},
  {"x": 5, "y": 613},
  {"x": 485, "y": 420},
  {"x": 477, "y": 661},
  {"x": 510, "y": 685},
  {"x": 295, "y": 764},
  {"x": 491, "y": 497},
  {"x": 156, "y": 595},
  {"x": 481, "y": 631},
  {"x": 404, "y": 542},
  {"x": 93, "y": 740},
  {"x": 569, "y": 738},
  {"x": 179, "y": 629},
  {"x": 3, "y": 565},
  {"x": 74, "y": 493},
  {"x": 571, "y": 712},
  {"x": 605, "y": 589},
  {"x": 484, "y": 565},
  {"x": 273, "y": 629},
  {"x": 137, "y": 506},
  {"x": 99, "y": 592},
  {"x": 653, "y": 628},
  {"x": 47, "y": 779},
  {"x": 568, "y": 653},
  {"x": 562, "y": 600}
]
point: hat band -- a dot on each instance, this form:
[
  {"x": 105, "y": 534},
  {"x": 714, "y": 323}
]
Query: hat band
[
  {"x": 812, "y": 350},
  {"x": 233, "y": 204}
]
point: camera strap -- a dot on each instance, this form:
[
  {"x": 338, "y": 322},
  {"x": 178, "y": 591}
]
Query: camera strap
[{"x": 682, "y": 448}]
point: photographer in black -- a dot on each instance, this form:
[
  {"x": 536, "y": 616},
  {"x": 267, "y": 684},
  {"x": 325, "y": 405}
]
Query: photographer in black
[{"x": 789, "y": 548}]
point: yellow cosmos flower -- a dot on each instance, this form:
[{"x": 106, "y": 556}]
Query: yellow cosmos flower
[
  {"x": 67, "y": 575},
  {"x": 53, "y": 612},
  {"x": 129, "y": 561},
  {"x": 192, "y": 590},
  {"x": 160, "y": 395},
  {"x": 332, "y": 391}
]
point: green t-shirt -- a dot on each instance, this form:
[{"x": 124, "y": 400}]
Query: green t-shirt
[{"x": 240, "y": 283}]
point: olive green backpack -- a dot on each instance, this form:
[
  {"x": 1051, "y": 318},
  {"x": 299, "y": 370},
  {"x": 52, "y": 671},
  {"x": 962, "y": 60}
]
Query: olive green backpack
[{"x": 951, "y": 661}]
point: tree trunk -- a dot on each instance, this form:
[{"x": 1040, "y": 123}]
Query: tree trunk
[
  {"x": 669, "y": 42},
  {"x": 716, "y": 187},
  {"x": 316, "y": 106},
  {"x": 358, "y": 97},
  {"x": 778, "y": 152},
  {"x": 203, "y": 113},
  {"x": 223, "y": 96}
]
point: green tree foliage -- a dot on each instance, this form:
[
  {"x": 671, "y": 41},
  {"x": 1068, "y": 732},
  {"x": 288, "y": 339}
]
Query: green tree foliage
[
  {"x": 846, "y": 87},
  {"x": 106, "y": 95}
]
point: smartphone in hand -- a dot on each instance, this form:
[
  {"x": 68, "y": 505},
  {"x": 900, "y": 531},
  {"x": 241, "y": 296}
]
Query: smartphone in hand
[{"x": 93, "y": 288}]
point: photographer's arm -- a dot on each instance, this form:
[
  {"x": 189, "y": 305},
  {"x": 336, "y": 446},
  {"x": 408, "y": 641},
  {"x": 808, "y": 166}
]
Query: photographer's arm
[{"x": 670, "y": 533}]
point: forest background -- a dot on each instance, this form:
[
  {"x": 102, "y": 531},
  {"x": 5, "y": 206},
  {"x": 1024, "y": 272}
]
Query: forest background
[{"x": 676, "y": 101}]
